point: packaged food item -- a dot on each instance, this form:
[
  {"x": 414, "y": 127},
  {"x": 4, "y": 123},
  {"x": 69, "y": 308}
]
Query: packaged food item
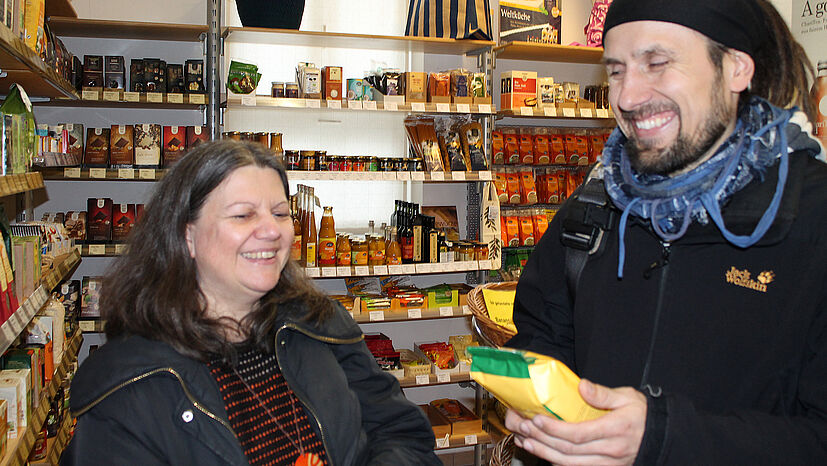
[
  {"x": 122, "y": 221},
  {"x": 512, "y": 146},
  {"x": 242, "y": 78},
  {"x": 97, "y": 148},
  {"x": 391, "y": 83},
  {"x": 194, "y": 77},
  {"x": 429, "y": 145},
  {"x": 440, "y": 353},
  {"x": 539, "y": 219},
  {"x": 90, "y": 296},
  {"x": 415, "y": 84},
  {"x": 92, "y": 71},
  {"x": 463, "y": 420},
  {"x": 452, "y": 147},
  {"x": 558, "y": 148},
  {"x": 497, "y": 148},
  {"x": 291, "y": 90},
  {"x": 175, "y": 79},
  {"x": 542, "y": 150},
  {"x": 99, "y": 220},
  {"x": 596, "y": 145},
  {"x": 148, "y": 146},
  {"x": 121, "y": 146},
  {"x": 310, "y": 81},
  {"x": 581, "y": 147},
  {"x": 439, "y": 87},
  {"x": 571, "y": 91},
  {"x": 545, "y": 92},
  {"x": 526, "y": 229},
  {"x": 478, "y": 87},
  {"x": 114, "y": 76},
  {"x": 512, "y": 229},
  {"x": 155, "y": 71},
  {"x": 559, "y": 94},
  {"x": 175, "y": 141},
  {"x": 75, "y": 224},
  {"x": 196, "y": 135},
  {"x": 332, "y": 82},
  {"x": 526, "y": 146},
  {"x": 531, "y": 383},
  {"x": 501, "y": 186},
  {"x": 355, "y": 90},
  {"x": 327, "y": 239},
  {"x": 518, "y": 89},
  {"x": 76, "y": 136},
  {"x": 460, "y": 85},
  {"x": 512, "y": 178},
  {"x": 528, "y": 191}
]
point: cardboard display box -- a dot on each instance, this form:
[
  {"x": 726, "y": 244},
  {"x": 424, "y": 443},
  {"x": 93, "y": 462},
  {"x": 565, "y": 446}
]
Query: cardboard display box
[{"x": 530, "y": 21}]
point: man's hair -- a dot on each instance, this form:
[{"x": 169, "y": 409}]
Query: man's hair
[
  {"x": 152, "y": 290},
  {"x": 782, "y": 70}
]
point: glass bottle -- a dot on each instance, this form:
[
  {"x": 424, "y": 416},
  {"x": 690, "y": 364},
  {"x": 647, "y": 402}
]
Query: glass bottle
[
  {"x": 393, "y": 252},
  {"x": 406, "y": 237},
  {"x": 343, "y": 253},
  {"x": 416, "y": 227},
  {"x": 327, "y": 239},
  {"x": 310, "y": 231},
  {"x": 296, "y": 247},
  {"x": 820, "y": 102}
]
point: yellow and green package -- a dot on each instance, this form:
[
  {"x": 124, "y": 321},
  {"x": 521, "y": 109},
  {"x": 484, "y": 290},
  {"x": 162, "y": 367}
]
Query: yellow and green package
[
  {"x": 500, "y": 307},
  {"x": 531, "y": 383}
]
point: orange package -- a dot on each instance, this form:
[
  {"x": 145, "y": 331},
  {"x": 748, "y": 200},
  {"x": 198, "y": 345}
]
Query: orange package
[
  {"x": 512, "y": 228},
  {"x": 528, "y": 189},
  {"x": 540, "y": 223},
  {"x": 595, "y": 147},
  {"x": 503, "y": 230},
  {"x": 572, "y": 182},
  {"x": 512, "y": 146},
  {"x": 581, "y": 147},
  {"x": 558, "y": 148},
  {"x": 513, "y": 184},
  {"x": 571, "y": 149},
  {"x": 498, "y": 147},
  {"x": 526, "y": 147},
  {"x": 501, "y": 185},
  {"x": 526, "y": 230},
  {"x": 541, "y": 149}
]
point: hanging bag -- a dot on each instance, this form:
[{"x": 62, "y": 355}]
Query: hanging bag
[
  {"x": 490, "y": 224},
  {"x": 457, "y": 19}
]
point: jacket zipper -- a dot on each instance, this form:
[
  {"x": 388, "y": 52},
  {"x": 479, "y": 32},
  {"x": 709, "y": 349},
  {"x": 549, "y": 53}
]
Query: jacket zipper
[
  {"x": 172, "y": 371},
  {"x": 662, "y": 264},
  {"x": 299, "y": 395}
]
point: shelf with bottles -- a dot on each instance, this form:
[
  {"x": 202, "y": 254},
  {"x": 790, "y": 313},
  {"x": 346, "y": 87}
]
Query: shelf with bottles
[
  {"x": 563, "y": 112},
  {"x": 24, "y": 66},
  {"x": 532, "y": 51},
  {"x": 18, "y": 449},
  {"x": 402, "y": 269},
  {"x": 427, "y": 177},
  {"x": 263, "y": 101},
  {"x": 23, "y": 182}
]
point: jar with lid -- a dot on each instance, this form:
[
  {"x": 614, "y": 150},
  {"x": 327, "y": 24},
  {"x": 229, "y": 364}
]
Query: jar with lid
[
  {"x": 275, "y": 146},
  {"x": 291, "y": 90},
  {"x": 372, "y": 164},
  {"x": 358, "y": 164},
  {"x": 321, "y": 161},
  {"x": 277, "y": 89},
  {"x": 307, "y": 160},
  {"x": 376, "y": 250},
  {"x": 291, "y": 160},
  {"x": 234, "y": 135},
  {"x": 262, "y": 138},
  {"x": 480, "y": 251},
  {"x": 346, "y": 164},
  {"x": 386, "y": 164},
  {"x": 359, "y": 252},
  {"x": 343, "y": 252},
  {"x": 332, "y": 163}
]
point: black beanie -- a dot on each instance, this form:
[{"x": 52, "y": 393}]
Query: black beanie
[{"x": 737, "y": 24}]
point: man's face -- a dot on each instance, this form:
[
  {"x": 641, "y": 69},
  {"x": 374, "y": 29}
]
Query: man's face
[{"x": 669, "y": 99}]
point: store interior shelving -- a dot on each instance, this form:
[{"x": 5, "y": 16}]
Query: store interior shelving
[
  {"x": 556, "y": 53},
  {"x": 24, "y": 66}
]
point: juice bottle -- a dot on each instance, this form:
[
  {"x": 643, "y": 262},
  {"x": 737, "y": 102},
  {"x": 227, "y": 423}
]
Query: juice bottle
[
  {"x": 296, "y": 247},
  {"x": 309, "y": 231},
  {"x": 393, "y": 252},
  {"x": 820, "y": 101},
  {"x": 376, "y": 250},
  {"x": 327, "y": 239},
  {"x": 343, "y": 254}
]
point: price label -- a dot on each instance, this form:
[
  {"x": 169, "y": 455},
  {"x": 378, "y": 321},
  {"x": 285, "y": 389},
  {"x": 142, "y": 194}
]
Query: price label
[
  {"x": 423, "y": 379},
  {"x": 442, "y": 442},
  {"x": 443, "y": 108},
  {"x": 550, "y": 111},
  {"x": 361, "y": 270},
  {"x": 377, "y": 316},
  {"x": 395, "y": 270},
  {"x": 417, "y": 176},
  {"x": 409, "y": 268},
  {"x": 471, "y": 439},
  {"x": 392, "y": 106},
  {"x": 328, "y": 272},
  {"x": 111, "y": 96},
  {"x": 458, "y": 176},
  {"x": 485, "y": 265},
  {"x": 155, "y": 97},
  {"x": 71, "y": 172},
  {"x": 485, "y": 108},
  {"x": 132, "y": 96},
  {"x": 175, "y": 98},
  {"x": 602, "y": 113},
  {"x": 443, "y": 378},
  {"x": 441, "y": 267},
  {"x": 568, "y": 112},
  {"x": 446, "y": 311},
  {"x": 485, "y": 175},
  {"x": 86, "y": 325},
  {"x": 120, "y": 249},
  {"x": 403, "y": 176},
  {"x": 146, "y": 173},
  {"x": 343, "y": 271},
  {"x": 97, "y": 173},
  {"x": 97, "y": 249},
  {"x": 586, "y": 112},
  {"x": 418, "y": 106},
  {"x": 421, "y": 268},
  {"x": 312, "y": 272},
  {"x": 369, "y": 105},
  {"x": 463, "y": 108},
  {"x": 466, "y": 310},
  {"x": 388, "y": 176},
  {"x": 313, "y": 103},
  {"x": 380, "y": 270},
  {"x": 126, "y": 173},
  {"x": 414, "y": 313},
  {"x": 337, "y": 104},
  {"x": 89, "y": 95},
  {"x": 197, "y": 99},
  {"x": 526, "y": 111},
  {"x": 354, "y": 104},
  {"x": 437, "y": 176}
]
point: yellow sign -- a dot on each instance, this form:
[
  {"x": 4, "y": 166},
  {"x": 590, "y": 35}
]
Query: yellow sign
[{"x": 500, "y": 306}]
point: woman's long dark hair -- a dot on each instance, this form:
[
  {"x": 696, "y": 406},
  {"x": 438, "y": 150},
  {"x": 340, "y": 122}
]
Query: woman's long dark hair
[{"x": 152, "y": 290}]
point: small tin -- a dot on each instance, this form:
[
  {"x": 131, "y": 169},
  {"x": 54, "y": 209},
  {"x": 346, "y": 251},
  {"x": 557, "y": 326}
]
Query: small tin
[{"x": 291, "y": 159}]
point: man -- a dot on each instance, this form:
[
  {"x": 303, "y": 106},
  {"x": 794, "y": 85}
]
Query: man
[{"x": 702, "y": 303}]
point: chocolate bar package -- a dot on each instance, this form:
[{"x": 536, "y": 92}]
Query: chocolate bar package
[
  {"x": 98, "y": 220},
  {"x": 75, "y": 224},
  {"x": 137, "y": 83},
  {"x": 93, "y": 71},
  {"x": 75, "y": 149},
  {"x": 97, "y": 148},
  {"x": 114, "y": 73},
  {"x": 175, "y": 79},
  {"x": 148, "y": 146},
  {"x": 68, "y": 293},
  {"x": 123, "y": 219},
  {"x": 155, "y": 71},
  {"x": 121, "y": 146},
  {"x": 139, "y": 212},
  {"x": 196, "y": 135},
  {"x": 194, "y": 76},
  {"x": 90, "y": 296},
  {"x": 175, "y": 142},
  {"x": 77, "y": 73}
]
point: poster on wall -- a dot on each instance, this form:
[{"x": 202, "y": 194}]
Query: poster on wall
[{"x": 809, "y": 27}]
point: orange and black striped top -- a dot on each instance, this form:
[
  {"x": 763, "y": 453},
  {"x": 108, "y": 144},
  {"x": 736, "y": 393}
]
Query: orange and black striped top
[{"x": 260, "y": 437}]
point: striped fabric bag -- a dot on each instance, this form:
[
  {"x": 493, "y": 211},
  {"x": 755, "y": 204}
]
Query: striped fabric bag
[{"x": 458, "y": 19}]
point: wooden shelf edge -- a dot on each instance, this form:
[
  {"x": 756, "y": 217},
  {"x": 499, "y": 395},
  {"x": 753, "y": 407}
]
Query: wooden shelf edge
[
  {"x": 64, "y": 26},
  {"x": 229, "y": 31},
  {"x": 264, "y": 101},
  {"x": 23, "y": 182}
]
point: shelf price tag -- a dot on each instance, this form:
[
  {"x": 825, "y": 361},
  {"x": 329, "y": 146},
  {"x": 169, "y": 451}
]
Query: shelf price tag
[
  {"x": 343, "y": 271},
  {"x": 89, "y": 94},
  {"x": 414, "y": 313},
  {"x": 485, "y": 175},
  {"x": 377, "y": 316},
  {"x": 602, "y": 113},
  {"x": 443, "y": 442},
  {"x": 155, "y": 97},
  {"x": 86, "y": 325},
  {"x": 417, "y": 106},
  {"x": 354, "y": 104},
  {"x": 471, "y": 439},
  {"x": 437, "y": 176},
  {"x": 463, "y": 108},
  {"x": 111, "y": 95},
  {"x": 485, "y": 108},
  {"x": 313, "y": 103},
  {"x": 466, "y": 310},
  {"x": 73, "y": 172},
  {"x": 328, "y": 272},
  {"x": 132, "y": 96},
  {"x": 417, "y": 176},
  {"x": 392, "y": 106},
  {"x": 97, "y": 249},
  {"x": 312, "y": 272},
  {"x": 550, "y": 111},
  {"x": 458, "y": 176},
  {"x": 526, "y": 111},
  {"x": 403, "y": 176},
  {"x": 395, "y": 270},
  {"x": 369, "y": 105},
  {"x": 337, "y": 104},
  {"x": 409, "y": 268},
  {"x": 586, "y": 112},
  {"x": 146, "y": 173},
  {"x": 443, "y": 108},
  {"x": 443, "y": 378},
  {"x": 175, "y": 98},
  {"x": 446, "y": 311},
  {"x": 97, "y": 173},
  {"x": 126, "y": 173},
  {"x": 361, "y": 270},
  {"x": 120, "y": 249},
  {"x": 380, "y": 269},
  {"x": 568, "y": 112},
  {"x": 485, "y": 265},
  {"x": 248, "y": 100},
  {"x": 197, "y": 99},
  {"x": 423, "y": 379}
]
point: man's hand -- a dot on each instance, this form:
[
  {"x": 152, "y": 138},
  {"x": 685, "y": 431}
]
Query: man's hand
[{"x": 613, "y": 439}]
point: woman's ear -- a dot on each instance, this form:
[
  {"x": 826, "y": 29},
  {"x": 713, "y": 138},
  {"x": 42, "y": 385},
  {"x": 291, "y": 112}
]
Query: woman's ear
[
  {"x": 190, "y": 241},
  {"x": 740, "y": 70}
]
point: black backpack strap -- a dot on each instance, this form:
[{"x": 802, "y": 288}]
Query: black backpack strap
[{"x": 590, "y": 214}]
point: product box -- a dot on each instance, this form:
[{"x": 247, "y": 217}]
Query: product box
[
  {"x": 530, "y": 21},
  {"x": 175, "y": 79},
  {"x": 92, "y": 71},
  {"x": 332, "y": 82},
  {"x": 123, "y": 219},
  {"x": 75, "y": 224},
  {"x": 155, "y": 71},
  {"x": 90, "y": 297},
  {"x": 76, "y": 136},
  {"x": 175, "y": 143},
  {"x": 139, "y": 212},
  {"x": 24, "y": 400},
  {"x": 449, "y": 367},
  {"x": 11, "y": 392},
  {"x": 114, "y": 72},
  {"x": 31, "y": 360},
  {"x": 439, "y": 424},
  {"x": 416, "y": 86},
  {"x": 310, "y": 81},
  {"x": 137, "y": 82},
  {"x": 463, "y": 421},
  {"x": 99, "y": 220},
  {"x": 518, "y": 89},
  {"x": 4, "y": 427},
  {"x": 76, "y": 77},
  {"x": 545, "y": 92},
  {"x": 68, "y": 293},
  {"x": 439, "y": 88},
  {"x": 121, "y": 146},
  {"x": 35, "y": 11},
  {"x": 97, "y": 148},
  {"x": 194, "y": 76},
  {"x": 147, "y": 146}
]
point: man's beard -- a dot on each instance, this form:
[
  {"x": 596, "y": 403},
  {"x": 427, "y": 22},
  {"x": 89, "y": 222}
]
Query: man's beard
[{"x": 686, "y": 150}]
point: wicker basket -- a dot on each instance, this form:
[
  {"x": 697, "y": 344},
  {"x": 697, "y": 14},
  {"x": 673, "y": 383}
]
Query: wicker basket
[{"x": 494, "y": 333}]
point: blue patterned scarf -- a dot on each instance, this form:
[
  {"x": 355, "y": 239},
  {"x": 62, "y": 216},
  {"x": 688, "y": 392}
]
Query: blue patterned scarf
[{"x": 671, "y": 203}]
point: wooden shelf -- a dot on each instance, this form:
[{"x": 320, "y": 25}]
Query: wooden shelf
[
  {"x": 117, "y": 98},
  {"x": 523, "y": 206},
  {"x": 61, "y": 268},
  {"x": 407, "y": 315},
  {"x": 91, "y": 325},
  {"x": 246, "y": 102},
  {"x": 60, "y": 8},
  {"x": 457, "y": 441},
  {"x": 25, "y": 67},
  {"x": 291, "y": 37},
  {"x": 427, "y": 177},
  {"x": 409, "y": 269},
  {"x": 519, "y": 50},
  {"x": 433, "y": 379},
  {"x": 104, "y": 29},
  {"x": 13, "y": 184},
  {"x": 559, "y": 113},
  {"x": 101, "y": 174},
  {"x": 101, "y": 250},
  {"x": 17, "y": 450}
]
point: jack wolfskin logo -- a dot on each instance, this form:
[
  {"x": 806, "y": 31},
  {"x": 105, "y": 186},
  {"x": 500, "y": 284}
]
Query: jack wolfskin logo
[{"x": 744, "y": 279}]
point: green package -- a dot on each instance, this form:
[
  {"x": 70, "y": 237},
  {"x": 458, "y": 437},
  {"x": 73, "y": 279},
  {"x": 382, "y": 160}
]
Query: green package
[{"x": 242, "y": 78}]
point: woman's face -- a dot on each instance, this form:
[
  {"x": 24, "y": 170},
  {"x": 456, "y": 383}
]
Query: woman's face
[{"x": 241, "y": 240}]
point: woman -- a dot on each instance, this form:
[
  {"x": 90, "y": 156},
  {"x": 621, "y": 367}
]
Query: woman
[{"x": 220, "y": 351}]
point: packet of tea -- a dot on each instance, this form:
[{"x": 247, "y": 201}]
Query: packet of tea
[
  {"x": 242, "y": 78},
  {"x": 531, "y": 383}
]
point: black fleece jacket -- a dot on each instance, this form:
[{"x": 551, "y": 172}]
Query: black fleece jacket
[{"x": 731, "y": 342}]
